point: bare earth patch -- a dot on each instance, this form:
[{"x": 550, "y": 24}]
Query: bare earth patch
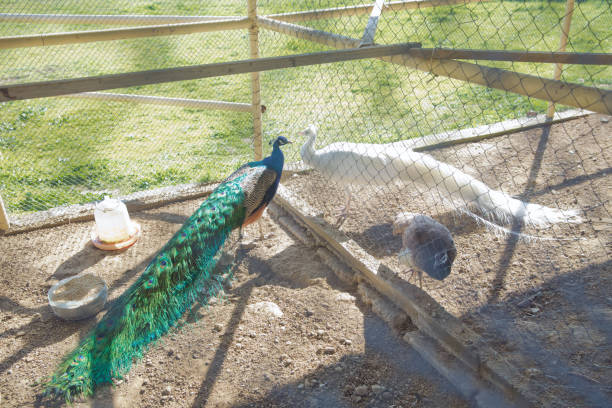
[
  {"x": 327, "y": 350},
  {"x": 545, "y": 304}
]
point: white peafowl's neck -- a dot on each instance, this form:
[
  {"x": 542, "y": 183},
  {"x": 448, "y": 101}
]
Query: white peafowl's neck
[{"x": 307, "y": 151}]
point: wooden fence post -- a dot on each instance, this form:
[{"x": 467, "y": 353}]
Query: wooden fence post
[
  {"x": 4, "y": 222},
  {"x": 565, "y": 29},
  {"x": 255, "y": 84}
]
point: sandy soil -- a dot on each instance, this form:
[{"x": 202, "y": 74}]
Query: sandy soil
[
  {"x": 544, "y": 305},
  {"x": 323, "y": 352}
]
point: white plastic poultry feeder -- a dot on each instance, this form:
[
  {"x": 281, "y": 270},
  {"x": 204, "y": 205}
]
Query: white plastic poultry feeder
[{"x": 113, "y": 230}]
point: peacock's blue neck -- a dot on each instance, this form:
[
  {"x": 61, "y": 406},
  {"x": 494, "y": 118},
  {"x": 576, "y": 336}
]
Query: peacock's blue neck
[{"x": 276, "y": 160}]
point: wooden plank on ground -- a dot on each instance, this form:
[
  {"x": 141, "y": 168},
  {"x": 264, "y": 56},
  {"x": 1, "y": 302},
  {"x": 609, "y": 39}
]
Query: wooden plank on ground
[
  {"x": 423, "y": 310},
  {"x": 483, "y": 132},
  {"x": 138, "y": 201},
  {"x": 97, "y": 83}
]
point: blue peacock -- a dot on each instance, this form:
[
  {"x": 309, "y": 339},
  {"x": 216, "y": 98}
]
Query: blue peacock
[{"x": 171, "y": 283}]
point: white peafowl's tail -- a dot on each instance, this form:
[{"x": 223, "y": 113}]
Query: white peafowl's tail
[{"x": 455, "y": 184}]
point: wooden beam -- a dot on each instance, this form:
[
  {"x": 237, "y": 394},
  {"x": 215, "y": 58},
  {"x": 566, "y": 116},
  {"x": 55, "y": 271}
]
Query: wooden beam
[
  {"x": 445, "y": 328},
  {"x": 580, "y": 58},
  {"x": 370, "y": 30},
  {"x": 364, "y": 9},
  {"x": 139, "y": 201},
  {"x": 4, "y": 221},
  {"x": 578, "y": 96},
  {"x": 97, "y": 83},
  {"x": 78, "y": 37},
  {"x": 483, "y": 132},
  {"x": 161, "y": 100},
  {"x": 121, "y": 19},
  {"x": 565, "y": 30},
  {"x": 255, "y": 83}
]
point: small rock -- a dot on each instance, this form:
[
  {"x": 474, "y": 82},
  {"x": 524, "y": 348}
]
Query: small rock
[
  {"x": 346, "y": 342},
  {"x": 9, "y": 371},
  {"x": 177, "y": 357},
  {"x": 534, "y": 310},
  {"x": 377, "y": 388},
  {"x": 320, "y": 333},
  {"x": 361, "y": 390},
  {"x": 308, "y": 313},
  {"x": 239, "y": 346},
  {"x": 387, "y": 396},
  {"x": 267, "y": 377},
  {"x": 329, "y": 350},
  {"x": 287, "y": 362},
  {"x": 27, "y": 359},
  {"x": 268, "y": 308},
  {"x": 218, "y": 327},
  {"x": 345, "y": 297},
  {"x": 252, "y": 334},
  {"x": 355, "y": 398},
  {"x": 338, "y": 369},
  {"x": 604, "y": 119},
  {"x": 276, "y": 340},
  {"x": 533, "y": 372},
  {"x": 20, "y": 333},
  {"x": 300, "y": 386},
  {"x": 248, "y": 245},
  {"x": 167, "y": 390},
  {"x": 148, "y": 362},
  {"x": 145, "y": 382}
]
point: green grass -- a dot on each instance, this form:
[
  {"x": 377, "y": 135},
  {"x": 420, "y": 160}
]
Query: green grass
[{"x": 62, "y": 151}]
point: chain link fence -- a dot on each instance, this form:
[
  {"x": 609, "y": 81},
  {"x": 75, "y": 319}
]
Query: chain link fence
[{"x": 532, "y": 279}]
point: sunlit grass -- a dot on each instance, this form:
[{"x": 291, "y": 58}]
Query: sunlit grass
[{"x": 61, "y": 151}]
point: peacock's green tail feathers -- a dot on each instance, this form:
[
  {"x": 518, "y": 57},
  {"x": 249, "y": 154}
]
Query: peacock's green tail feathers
[{"x": 179, "y": 275}]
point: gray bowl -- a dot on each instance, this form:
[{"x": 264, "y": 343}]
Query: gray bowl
[{"x": 81, "y": 307}]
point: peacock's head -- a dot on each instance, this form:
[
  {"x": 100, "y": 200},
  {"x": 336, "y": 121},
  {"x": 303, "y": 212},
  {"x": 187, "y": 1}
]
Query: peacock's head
[
  {"x": 280, "y": 141},
  {"x": 311, "y": 130}
]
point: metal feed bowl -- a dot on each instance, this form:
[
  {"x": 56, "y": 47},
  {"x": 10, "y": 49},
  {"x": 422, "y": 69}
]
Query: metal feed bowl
[{"x": 79, "y": 307}]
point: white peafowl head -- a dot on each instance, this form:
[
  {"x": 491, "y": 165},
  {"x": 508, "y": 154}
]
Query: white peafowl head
[{"x": 310, "y": 131}]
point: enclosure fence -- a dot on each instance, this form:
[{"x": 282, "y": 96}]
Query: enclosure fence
[{"x": 489, "y": 116}]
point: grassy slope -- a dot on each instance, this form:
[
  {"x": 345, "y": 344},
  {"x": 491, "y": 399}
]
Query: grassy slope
[{"x": 57, "y": 151}]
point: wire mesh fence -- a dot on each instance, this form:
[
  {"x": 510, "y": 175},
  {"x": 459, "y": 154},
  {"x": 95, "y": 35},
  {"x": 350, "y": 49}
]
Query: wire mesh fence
[{"x": 529, "y": 211}]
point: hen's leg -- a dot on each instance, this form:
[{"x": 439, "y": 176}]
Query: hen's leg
[{"x": 343, "y": 214}]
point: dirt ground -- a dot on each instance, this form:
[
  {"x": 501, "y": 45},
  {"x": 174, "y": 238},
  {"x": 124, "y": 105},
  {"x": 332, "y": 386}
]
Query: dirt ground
[
  {"x": 325, "y": 351},
  {"x": 545, "y": 305}
]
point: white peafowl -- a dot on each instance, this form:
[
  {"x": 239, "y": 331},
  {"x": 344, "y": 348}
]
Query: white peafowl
[
  {"x": 380, "y": 164},
  {"x": 427, "y": 245}
]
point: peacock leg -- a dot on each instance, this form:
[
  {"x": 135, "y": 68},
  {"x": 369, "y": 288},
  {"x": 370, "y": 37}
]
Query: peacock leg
[{"x": 261, "y": 234}]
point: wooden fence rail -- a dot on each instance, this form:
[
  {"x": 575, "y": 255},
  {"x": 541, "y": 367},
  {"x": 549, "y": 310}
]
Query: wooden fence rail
[
  {"x": 163, "y": 100},
  {"x": 78, "y": 37},
  {"x": 579, "y": 96},
  {"x": 97, "y": 83},
  {"x": 120, "y": 19}
]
